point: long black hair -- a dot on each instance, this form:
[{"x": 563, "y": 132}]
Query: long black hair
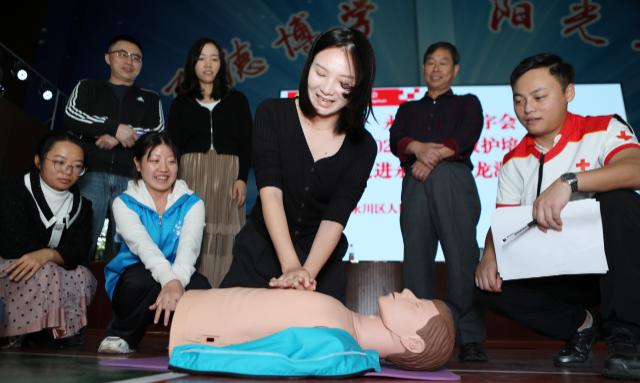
[
  {"x": 190, "y": 85},
  {"x": 354, "y": 115}
]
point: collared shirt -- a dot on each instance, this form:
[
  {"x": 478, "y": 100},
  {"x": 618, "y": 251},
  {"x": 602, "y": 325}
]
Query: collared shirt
[
  {"x": 452, "y": 120},
  {"x": 584, "y": 143}
]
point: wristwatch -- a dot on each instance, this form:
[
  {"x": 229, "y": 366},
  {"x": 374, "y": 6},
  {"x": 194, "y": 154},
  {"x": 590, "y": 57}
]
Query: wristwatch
[{"x": 570, "y": 179}]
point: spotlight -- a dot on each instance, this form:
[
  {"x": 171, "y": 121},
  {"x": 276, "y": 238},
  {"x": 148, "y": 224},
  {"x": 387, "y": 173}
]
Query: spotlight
[
  {"x": 19, "y": 71},
  {"x": 45, "y": 91}
]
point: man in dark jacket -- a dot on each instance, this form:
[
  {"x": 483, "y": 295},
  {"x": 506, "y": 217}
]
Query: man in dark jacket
[{"x": 109, "y": 116}]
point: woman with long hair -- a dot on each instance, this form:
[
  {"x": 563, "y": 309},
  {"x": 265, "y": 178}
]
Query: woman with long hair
[
  {"x": 211, "y": 125},
  {"x": 312, "y": 158}
]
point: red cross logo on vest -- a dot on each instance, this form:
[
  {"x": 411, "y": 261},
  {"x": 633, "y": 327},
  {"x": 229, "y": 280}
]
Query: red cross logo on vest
[
  {"x": 583, "y": 165},
  {"x": 624, "y": 136}
]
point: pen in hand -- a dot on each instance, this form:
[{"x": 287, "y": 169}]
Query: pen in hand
[{"x": 519, "y": 232}]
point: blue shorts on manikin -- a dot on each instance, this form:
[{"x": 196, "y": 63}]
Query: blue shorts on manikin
[{"x": 293, "y": 352}]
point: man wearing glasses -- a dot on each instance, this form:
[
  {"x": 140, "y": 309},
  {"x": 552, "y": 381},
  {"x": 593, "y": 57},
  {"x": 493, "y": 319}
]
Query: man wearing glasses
[{"x": 109, "y": 116}]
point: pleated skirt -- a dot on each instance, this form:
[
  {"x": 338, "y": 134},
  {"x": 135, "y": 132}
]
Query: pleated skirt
[{"x": 211, "y": 176}]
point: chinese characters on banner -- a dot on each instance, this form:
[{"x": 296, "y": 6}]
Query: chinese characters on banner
[
  {"x": 490, "y": 142},
  {"x": 582, "y": 14},
  {"x": 296, "y": 36},
  {"x": 518, "y": 14},
  {"x": 355, "y": 14},
  {"x": 242, "y": 63},
  {"x": 169, "y": 89}
]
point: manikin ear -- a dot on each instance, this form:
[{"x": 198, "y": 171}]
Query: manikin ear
[{"x": 413, "y": 343}]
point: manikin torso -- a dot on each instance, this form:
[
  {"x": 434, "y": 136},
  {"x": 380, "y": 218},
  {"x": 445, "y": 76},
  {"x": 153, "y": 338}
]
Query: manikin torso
[{"x": 236, "y": 315}]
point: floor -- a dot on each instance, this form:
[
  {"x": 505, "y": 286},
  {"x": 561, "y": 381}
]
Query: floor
[{"x": 80, "y": 364}]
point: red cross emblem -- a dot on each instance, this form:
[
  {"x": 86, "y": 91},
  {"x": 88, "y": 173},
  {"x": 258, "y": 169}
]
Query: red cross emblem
[
  {"x": 583, "y": 165},
  {"x": 624, "y": 135}
]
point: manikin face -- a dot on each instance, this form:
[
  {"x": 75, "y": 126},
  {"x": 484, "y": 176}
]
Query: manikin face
[
  {"x": 404, "y": 314},
  {"x": 63, "y": 155},
  {"x": 125, "y": 67},
  {"x": 208, "y": 64},
  {"x": 440, "y": 71},
  {"x": 541, "y": 104},
  {"x": 159, "y": 169},
  {"x": 331, "y": 77}
]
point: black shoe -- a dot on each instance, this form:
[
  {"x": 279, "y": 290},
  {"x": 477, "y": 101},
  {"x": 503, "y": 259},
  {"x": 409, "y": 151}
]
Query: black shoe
[
  {"x": 472, "y": 352},
  {"x": 624, "y": 355},
  {"x": 577, "y": 350}
]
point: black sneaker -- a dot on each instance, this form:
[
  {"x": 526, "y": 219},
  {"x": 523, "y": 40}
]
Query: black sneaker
[
  {"x": 577, "y": 350},
  {"x": 472, "y": 352},
  {"x": 624, "y": 355}
]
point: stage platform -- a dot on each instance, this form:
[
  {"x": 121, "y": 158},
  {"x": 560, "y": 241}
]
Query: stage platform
[{"x": 525, "y": 362}]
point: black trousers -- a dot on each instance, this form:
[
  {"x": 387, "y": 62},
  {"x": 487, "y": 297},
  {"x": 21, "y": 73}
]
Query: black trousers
[
  {"x": 555, "y": 306},
  {"x": 135, "y": 291},
  {"x": 444, "y": 208}
]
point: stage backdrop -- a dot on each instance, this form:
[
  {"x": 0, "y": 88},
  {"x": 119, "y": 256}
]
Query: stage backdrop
[
  {"x": 266, "y": 41},
  {"x": 373, "y": 229}
]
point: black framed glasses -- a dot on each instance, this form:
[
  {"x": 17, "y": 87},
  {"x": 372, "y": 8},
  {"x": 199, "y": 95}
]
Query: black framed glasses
[
  {"x": 63, "y": 167},
  {"x": 121, "y": 53}
]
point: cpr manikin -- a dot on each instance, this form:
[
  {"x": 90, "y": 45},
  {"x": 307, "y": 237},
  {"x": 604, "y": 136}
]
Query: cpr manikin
[{"x": 412, "y": 333}]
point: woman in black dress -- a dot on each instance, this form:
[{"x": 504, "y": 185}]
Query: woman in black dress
[{"x": 312, "y": 159}]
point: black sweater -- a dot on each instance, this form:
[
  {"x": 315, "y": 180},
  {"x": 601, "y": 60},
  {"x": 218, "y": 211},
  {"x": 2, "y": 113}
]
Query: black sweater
[
  {"x": 193, "y": 128},
  {"x": 22, "y": 231},
  {"x": 312, "y": 191},
  {"x": 94, "y": 109}
]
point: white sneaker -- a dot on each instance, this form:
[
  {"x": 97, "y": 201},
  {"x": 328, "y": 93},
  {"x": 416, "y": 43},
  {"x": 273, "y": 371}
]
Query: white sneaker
[{"x": 114, "y": 345}]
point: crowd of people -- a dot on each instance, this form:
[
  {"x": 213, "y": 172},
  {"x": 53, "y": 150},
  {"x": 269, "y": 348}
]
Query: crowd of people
[{"x": 176, "y": 194}]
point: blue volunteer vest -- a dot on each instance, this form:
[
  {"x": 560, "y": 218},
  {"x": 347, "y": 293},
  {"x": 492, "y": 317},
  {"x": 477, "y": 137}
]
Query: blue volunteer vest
[{"x": 164, "y": 231}]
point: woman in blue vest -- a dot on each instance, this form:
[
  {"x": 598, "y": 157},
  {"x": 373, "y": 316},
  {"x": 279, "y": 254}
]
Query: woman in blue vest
[{"x": 160, "y": 221}]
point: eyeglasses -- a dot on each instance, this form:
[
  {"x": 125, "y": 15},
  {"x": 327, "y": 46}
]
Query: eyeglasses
[
  {"x": 121, "y": 53},
  {"x": 63, "y": 167}
]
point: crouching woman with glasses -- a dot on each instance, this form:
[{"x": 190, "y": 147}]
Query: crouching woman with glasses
[{"x": 45, "y": 228}]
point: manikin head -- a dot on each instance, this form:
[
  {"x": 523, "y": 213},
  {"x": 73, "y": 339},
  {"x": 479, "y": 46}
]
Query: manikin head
[{"x": 425, "y": 328}]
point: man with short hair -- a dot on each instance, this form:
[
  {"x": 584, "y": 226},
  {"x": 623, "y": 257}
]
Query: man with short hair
[
  {"x": 434, "y": 138},
  {"x": 108, "y": 116},
  {"x": 547, "y": 170}
]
